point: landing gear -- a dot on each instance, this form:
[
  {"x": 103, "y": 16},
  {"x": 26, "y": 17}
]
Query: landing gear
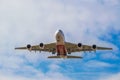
[
  {"x": 65, "y": 54},
  {"x": 58, "y": 54},
  {"x": 69, "y": 52},
  {"x": 53, "y": 52}
]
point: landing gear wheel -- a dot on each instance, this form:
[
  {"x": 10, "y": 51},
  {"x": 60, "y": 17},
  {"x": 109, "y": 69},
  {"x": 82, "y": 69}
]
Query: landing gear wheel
[
  {"x": 65, "y": 54},
  {"x": 69, "y": 52},
  {"x": 58, "y": 54}
]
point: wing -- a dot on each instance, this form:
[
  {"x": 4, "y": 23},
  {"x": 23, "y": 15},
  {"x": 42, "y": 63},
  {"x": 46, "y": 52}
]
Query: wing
[
  {"x": 46, "y": 47},
  {"x": 71, "y": 47}
]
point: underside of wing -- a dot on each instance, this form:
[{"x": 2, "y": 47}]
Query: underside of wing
[
  {"x": 41, "y": 47},
  {"x": 72, "y": 47}
]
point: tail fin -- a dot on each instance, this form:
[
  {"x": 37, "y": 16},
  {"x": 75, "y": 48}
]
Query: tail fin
[{"x": 65, "y": 57}]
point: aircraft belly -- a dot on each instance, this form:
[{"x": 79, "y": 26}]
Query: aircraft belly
[{"x": 61, "y": 50}]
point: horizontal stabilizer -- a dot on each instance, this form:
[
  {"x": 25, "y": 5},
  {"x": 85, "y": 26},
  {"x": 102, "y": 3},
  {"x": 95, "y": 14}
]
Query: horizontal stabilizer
[{"x": 65, "y": 57}]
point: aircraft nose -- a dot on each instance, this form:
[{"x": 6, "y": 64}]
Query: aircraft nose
[{"x": 59, "y": 31}]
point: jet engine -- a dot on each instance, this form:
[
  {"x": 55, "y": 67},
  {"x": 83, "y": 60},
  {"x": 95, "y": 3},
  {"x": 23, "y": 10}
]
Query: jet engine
[
  {"x": 28, "y": 46},
  {"x": 41, "y": 45},
  {"x": 79, "y": 45},
  {"x": 94, "y": 46}
]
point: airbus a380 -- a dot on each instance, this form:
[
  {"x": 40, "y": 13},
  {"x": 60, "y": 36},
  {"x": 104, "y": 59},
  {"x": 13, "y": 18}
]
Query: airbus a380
[{"x": 62, "y": 48}]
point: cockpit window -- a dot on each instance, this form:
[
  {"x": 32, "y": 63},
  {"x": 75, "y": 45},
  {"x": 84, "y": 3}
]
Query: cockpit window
[{"x": 61, "y": 32}]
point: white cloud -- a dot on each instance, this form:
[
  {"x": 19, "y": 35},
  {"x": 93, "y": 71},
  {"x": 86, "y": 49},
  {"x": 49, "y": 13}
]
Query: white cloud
[
  {"x": 112, "y": 56},
  {"x": 96, "y": 64},
  {"x": 112, "y": 77},
  {"x": 50, "y": 76},
  {"x": 54, "y": 67},
  {"x": 29, "y": 72},
  {"x": 112, "y": 2},
  {"x": 21, "y": 68},
  {"x": 27, "y": 21}
]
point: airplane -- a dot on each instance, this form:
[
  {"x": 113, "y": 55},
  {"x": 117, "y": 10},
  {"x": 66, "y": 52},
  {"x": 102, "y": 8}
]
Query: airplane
[{"x": 62, "y": 48}]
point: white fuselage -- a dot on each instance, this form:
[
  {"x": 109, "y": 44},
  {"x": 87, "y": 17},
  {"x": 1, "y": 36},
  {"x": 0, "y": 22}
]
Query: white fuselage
[
  {"x": 60, "y": 43},
  {"x": 60, "y": 39}
]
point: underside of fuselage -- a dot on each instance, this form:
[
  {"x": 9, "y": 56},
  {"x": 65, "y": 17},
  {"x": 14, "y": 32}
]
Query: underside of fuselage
[
  {"x": 60, "y": 47},
  {"x": 60, "y": 44},
  {"x": 61, "y": 50}
]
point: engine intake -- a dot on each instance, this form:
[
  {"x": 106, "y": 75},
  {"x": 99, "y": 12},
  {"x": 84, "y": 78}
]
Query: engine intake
[
  {"x": 28, "y": 46},
  {"x": 79, "y": 44},
  {"x": 41, "y": 45},
  {"x": 94, "y": 46}
]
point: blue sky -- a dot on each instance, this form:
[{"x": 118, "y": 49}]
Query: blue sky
[{"x": 90, "y": 22}]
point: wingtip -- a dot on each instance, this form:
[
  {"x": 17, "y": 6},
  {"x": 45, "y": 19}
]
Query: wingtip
[
  {"x": 111, "y": 48},
  {"x": 15, "y": 48}
]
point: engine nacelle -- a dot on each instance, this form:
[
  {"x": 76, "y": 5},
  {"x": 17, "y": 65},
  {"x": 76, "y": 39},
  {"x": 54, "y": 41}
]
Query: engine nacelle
[
  {"x": 94, "y": 46},
  {"x": 79, "y": 45},
  {"x": 41, "y": 45},
  {"x": 28, "y": 46},
  {"x": 53, "y": 51}
]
